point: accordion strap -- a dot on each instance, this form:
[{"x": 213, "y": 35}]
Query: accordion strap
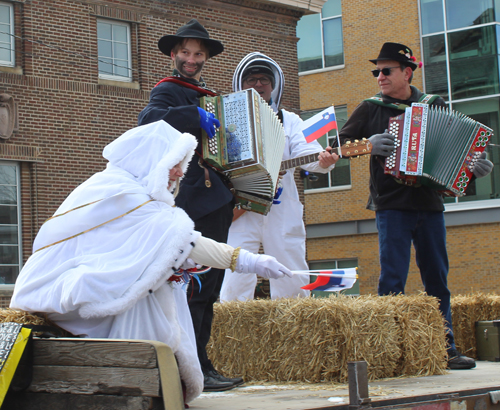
[
  {"x": 424, "y": 99},
  {"x": 179, "y": 81}
]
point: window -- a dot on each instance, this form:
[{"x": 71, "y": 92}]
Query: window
[
  {"x": 335, "y": 264},
  {"x": 7, "y": 38},
  {"x": 341, "y": 174},
  {"x": 10, "y": 230},
  {"x": 320, "y": 38},
  {"x": 113, "y": 43},
  {"x": 461, "y": 54},
  {"x": 487, "y": 112}
]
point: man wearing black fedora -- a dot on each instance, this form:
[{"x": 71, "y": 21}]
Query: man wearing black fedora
[
  {"x": 204, "y": 193},
  {"x": 405, "y": 214}
]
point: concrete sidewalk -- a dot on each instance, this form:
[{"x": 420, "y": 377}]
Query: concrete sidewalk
[{"x": 319, "y": 396}]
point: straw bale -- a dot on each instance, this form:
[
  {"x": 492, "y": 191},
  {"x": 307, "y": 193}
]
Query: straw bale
[
  {"x": 312, "y": 339},
  {"x": 423, "y": 328},
  {"x": 468, "y": 309},
  {"x": 20, "y": 316},
  {"x": 26, "y": 318}
]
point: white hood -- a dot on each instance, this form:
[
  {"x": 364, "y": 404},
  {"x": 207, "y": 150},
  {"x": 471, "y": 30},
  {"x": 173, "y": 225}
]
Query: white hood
[{"x": 279, "y": 78}]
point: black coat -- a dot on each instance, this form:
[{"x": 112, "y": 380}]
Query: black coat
[
  {"x": 385, "y": 193},
  {"x": 177, "y": 105}
]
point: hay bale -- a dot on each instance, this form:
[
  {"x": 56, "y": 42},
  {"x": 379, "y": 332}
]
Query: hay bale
[
  {"x": 26, "y": 318},
  {"x": 423, "y": 328},
  {"x": 311, "y": 340},
  {"x": 20, "y": 316},
  {"x": 466, "y": 310}
]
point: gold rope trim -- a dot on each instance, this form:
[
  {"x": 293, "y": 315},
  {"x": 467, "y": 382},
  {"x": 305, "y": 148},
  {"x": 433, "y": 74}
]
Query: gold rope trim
[
  {"x": 71, "y": 210},
  {"x": 88, "y": 230},
  {"x": 234, "y": 258}
]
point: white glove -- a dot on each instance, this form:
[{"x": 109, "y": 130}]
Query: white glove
[
  {"x": 382, "y": 144},
  {"x": 483, "y": 166},
  {"x": 188, "y": 264},
  {"x": 263, "y": 265}
]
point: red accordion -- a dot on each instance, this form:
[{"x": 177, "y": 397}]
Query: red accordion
[{"x": 436, "y": 147}]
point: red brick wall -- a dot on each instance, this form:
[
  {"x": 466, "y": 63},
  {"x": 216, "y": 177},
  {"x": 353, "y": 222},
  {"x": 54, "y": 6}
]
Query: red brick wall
[{"x": 71, "y": 115}]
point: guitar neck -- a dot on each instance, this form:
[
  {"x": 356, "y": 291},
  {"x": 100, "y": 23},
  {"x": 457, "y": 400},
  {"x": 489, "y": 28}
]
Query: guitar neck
[{"x": 307, "y": 159}]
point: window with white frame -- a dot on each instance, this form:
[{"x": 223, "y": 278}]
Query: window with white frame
[
  {"x": 461, "y": 56},
  {"x": 114, "y": 51},
  {"x": 320, "y": 38},
  {"x": 7, "y": 38},
  {"x": 10, "y": 225},
  {"x": 330, "y": 265},
  {"x": 341, "y": 174}
]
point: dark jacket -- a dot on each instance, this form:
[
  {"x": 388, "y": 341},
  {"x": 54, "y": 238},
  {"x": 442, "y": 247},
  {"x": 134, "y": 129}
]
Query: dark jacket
[
  {"x": 385, "y": 192},
  {"x": 177, "y": 105}
]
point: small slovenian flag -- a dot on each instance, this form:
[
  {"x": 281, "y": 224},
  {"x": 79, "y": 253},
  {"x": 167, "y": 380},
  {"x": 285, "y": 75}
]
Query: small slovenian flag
[
  {"x": 333, "y": 280},
  {"x": 319, "y": 124}
]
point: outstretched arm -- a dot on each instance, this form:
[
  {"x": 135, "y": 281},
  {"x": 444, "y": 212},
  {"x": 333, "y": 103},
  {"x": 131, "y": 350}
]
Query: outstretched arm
[{"x": 222, "y": 256}]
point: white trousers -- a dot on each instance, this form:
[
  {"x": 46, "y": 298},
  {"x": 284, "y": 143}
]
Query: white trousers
[{"x": 283, "y": 240}]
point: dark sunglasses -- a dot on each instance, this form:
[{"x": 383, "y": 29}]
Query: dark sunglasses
[{"x": 386, "y": 71}]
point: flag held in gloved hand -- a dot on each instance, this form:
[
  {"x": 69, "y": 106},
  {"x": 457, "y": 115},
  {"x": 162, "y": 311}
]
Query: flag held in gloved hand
[
  {"x": 333, "y": 280},
  {"x": 319, "y": 124}
]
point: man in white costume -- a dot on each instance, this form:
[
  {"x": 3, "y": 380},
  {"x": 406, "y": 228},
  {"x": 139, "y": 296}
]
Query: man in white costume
[
  {"x": 281, "y": 231},
  {"x": 105, "y": 264}
]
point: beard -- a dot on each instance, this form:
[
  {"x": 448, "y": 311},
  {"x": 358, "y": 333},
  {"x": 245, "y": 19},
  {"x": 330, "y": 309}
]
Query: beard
[{"x": 180, "y": 67}]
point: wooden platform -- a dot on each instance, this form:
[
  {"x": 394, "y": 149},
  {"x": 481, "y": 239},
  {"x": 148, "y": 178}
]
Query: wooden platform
[{"x": 100, "y": 374}]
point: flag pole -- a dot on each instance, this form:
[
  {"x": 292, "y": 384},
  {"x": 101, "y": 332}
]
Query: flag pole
[
  {"x": 338, "y": 138},
  {"x": 323, "y": 273}
]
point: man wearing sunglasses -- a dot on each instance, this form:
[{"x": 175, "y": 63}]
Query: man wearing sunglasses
[{"x": 405, "y": 214}]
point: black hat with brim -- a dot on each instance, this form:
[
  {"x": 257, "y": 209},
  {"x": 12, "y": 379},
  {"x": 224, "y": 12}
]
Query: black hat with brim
[
  {"x": 192, "y": 29},
  {"x": 396, "y": 52}
]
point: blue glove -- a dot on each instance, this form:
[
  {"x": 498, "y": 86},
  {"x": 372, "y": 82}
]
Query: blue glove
[
  {"x": 483, "y": 166},
  {"x": 278, "y": 194},
  {"x": 208, "y": 122}
]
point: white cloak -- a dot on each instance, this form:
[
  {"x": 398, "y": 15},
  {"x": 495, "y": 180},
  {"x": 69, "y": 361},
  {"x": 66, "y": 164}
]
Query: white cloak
[{"x": 100, "y": 265}]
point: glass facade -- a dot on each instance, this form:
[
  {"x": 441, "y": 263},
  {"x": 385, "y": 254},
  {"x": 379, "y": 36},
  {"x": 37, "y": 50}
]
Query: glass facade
[
  {"x": 6, "y": 34},
  {"x": 113, "y": 43},
  {"x": 461, "y": 52},
  {"x": 10, "y": 252},
  {"x": 341, "y": 174},
  {"x": 320, "y": 38}
]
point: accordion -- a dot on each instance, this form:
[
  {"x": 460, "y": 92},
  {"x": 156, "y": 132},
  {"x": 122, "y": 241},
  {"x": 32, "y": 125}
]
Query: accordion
[
  {"x": 247, "y": 148},
  {"x": 436, "y": 147}
]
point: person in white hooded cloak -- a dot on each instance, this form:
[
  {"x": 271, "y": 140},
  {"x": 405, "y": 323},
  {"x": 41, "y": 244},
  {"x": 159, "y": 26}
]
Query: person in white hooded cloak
[{"x": 106, "y": 264}]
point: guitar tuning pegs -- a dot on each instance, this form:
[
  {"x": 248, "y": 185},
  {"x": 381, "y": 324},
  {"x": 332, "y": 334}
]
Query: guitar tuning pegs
[
  {"x": 347, "y": 142},
  {"x": 356, "y": 140}
]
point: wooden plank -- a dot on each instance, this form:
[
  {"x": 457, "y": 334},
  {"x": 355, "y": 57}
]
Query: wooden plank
[
  {"x": 85, "y": 352},
  {"x": 96, "y": 380},
  {"x": 45, "y": 401}
]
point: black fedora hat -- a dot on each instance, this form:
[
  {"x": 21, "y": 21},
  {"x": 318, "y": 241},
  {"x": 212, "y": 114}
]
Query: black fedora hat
[
  {"x": 192, "y": 29},
  {"x": 397, "y": 52}
]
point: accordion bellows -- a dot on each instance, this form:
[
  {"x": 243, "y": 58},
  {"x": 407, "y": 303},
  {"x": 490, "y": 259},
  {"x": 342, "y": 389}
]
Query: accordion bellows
[
  {"x": 436, "y": 147},
  {"x": 248, "y": 146}
]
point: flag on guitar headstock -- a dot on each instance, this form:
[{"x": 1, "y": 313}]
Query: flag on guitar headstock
[
  {"x": 333, "y": 280},
  {"x": 319, "y": 124}
]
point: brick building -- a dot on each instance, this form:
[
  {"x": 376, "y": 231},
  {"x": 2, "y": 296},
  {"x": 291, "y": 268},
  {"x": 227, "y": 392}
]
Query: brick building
[
  {"x": 456, "y": 45},
  {"x": 74, "y": 74}
]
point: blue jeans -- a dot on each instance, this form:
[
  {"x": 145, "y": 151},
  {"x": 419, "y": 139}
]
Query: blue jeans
[{"x": 396, "y": 232}]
